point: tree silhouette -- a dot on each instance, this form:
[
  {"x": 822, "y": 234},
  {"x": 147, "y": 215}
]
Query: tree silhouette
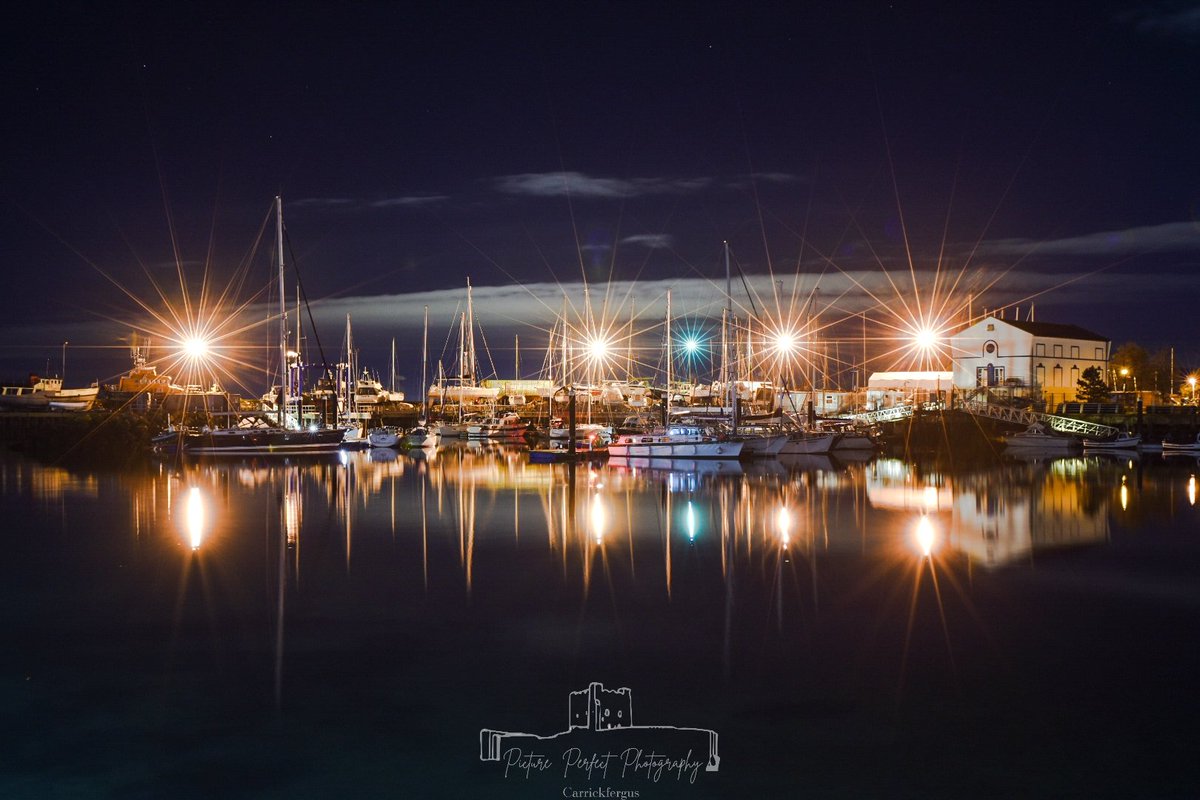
[{"x": 1092, "y": 388}]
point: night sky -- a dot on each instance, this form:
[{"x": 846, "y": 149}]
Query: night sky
[{"x": 1040, "y": 153}]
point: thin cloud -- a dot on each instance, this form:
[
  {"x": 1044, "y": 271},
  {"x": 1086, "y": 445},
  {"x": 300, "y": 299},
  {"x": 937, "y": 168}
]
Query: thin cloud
[
  {"x": 323, "y": 202},
  {"x": 1179, "y": 23},
  {"x": 652, "y": 241},
  {"x": 576, "y": 184},
  {"x": 1168, "y": 237},
  {"x": 411, "y": 200}
]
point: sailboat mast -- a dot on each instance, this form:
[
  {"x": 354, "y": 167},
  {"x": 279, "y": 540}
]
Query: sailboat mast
[
  {"x": 565, "y": 374},
  {"x": 424, "y": 366},
  {"x": 667, "y": 420},
  {"x": 729, "y": 378},
  {"x": 471, "y": 332},
  {"x": 283, "y": 404}
]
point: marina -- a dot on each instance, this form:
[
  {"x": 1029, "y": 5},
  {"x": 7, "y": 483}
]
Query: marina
[{"x": 609, "y": 400}]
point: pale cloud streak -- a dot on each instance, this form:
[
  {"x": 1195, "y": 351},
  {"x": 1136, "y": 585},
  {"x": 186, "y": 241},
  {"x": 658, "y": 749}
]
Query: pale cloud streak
[
  {"x": 1168, "y": 237},
  {"x": 577, "y": 184}
]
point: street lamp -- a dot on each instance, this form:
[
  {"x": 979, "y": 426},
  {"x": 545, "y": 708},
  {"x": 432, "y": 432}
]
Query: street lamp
[
  {"x": 1124, "y": 375},
  {"x": 1192, "y": 383}
]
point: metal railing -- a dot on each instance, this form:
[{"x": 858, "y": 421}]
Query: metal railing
[
  {"x": 1069, "y": 425},
  {"x": 1003, "y": 413}
]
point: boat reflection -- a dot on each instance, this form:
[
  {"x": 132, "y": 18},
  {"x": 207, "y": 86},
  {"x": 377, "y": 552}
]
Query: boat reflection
[{"x": 467, "y": 499}]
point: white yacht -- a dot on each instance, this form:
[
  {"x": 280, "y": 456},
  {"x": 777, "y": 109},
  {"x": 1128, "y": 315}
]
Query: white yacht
[{"x": 677, "y": 441}]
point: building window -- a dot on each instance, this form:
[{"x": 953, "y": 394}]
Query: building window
[
  {"x": 1058, "y": 375},
  {"x": 989, "y": 348},
  {"x": 1074, "y": 375},
  {"x": 1058, "y": 351},
  {"x": 1040, "y": 375},
  {"x": 1099, "y": 353},
  {"x": 991, "y": 327},
  {"x": 1074, "y": 351},
  {"x": 989, "y": 376},
  {"x": 1039, "y": 349}
]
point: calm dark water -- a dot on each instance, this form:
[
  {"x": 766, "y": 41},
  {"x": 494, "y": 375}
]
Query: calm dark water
[{"x": 347, "y": 627}]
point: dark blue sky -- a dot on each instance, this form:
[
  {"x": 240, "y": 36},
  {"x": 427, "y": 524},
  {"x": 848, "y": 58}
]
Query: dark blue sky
[{"x": 1027, "y": 144}]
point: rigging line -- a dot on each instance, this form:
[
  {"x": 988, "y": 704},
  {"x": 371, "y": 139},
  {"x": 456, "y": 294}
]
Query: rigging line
[
  {"x": 303, "y": 294},
  {"x": 746, "y": 286},
  {"x": 487, "y": 350}
]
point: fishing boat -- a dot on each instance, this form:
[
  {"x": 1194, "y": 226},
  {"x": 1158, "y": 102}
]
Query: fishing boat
[
  {"x": 1182, "y": 448},
  {"x": 257, "y": 437},
  {"x": 60, "y": 399},
  {"x": 1036, "y": 437},
  {"x": 23, "y": 398},
  {"x": 1122, "y": 441}
]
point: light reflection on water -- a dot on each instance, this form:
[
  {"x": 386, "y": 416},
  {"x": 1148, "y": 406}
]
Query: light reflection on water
[
  {"x": 418, "y": 565},
  {"x": 991, "y": 515}
]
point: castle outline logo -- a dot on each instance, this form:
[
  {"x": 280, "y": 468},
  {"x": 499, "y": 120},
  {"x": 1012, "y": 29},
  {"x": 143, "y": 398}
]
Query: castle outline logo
[{"x": 602, "y": 742}]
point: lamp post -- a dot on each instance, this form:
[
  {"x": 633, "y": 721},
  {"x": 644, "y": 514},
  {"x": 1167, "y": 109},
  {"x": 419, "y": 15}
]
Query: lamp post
[
  {"x": 1124, "y": 376},
  {"x": 1192, "y": 383}
]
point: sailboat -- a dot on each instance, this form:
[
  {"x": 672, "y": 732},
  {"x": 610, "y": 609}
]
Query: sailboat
[
  {"x": 463, "y": 389},
  {"x": 674, "y": 440},
  {"x": 423, "y": 435},
  {"x": 286, "y": 437}
]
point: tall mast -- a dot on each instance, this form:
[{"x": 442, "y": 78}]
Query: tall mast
[
  {"x": 516, "y": 356},
  {"x": 462, "y": 350},
  {"x": 283, "y": 404},
  {"x": 299, "y": 373},
  {"x": 470, "y": 333},
  {"x": 729, "y": 377},
  {"x": 392, "y": 377},
  {"x": 350, "y": 373},
  {"x": 667, "y": 421},
  {"x": 629, "y": 342},
  {"x": 424, "y": 365},
  {"x": 565, "y": 375}
]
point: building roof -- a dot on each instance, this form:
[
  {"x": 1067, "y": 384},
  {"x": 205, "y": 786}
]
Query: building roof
[
  {"x": 910, "y": 380},
  {"x": 1055, "y": 330}
]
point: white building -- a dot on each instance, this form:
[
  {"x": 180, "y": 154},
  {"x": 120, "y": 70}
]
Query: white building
[{"x": 1045, "y": 357}]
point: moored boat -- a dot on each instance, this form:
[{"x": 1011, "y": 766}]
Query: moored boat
[
  {"x": 1122, "y": 441},
  {"x": 506, "y": 426},
  {"x": 386, "y": 436},
  {"x": 421, "y": 436},
  {"x": 285, "y": 436},
  {"x": 1036, "y": 437},
  {"x": 1182, "y": 448},
  {"x": 808, "y": 443},
  {"x": 676, "y": 441}
]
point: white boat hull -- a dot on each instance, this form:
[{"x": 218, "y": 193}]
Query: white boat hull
[
  {"x": 653, "y": 450},
  {"x": 808, "y": 444},
  {"x": 764, "y": 446}
]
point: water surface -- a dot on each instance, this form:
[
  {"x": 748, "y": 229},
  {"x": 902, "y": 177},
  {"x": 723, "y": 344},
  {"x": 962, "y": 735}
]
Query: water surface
[{"x": 348, "y": 626}]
